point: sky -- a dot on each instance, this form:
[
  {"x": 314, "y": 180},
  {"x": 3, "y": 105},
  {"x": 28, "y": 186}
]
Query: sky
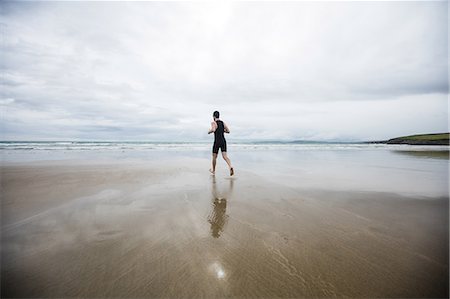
[{"x": 156, "y": 71}]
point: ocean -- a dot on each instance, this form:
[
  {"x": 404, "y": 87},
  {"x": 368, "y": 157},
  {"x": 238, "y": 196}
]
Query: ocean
[{"x": 8, "y": 147}]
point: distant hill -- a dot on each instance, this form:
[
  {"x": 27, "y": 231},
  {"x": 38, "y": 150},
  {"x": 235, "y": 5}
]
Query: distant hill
[{"x": 423, "y": 139}]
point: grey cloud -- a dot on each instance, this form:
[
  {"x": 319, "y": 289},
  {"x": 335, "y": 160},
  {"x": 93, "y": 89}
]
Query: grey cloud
[{"x": 158, "y": 70}]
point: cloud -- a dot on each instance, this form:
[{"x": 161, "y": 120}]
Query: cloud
[
  {"x": 6, "y": 101},
  {"x": 155, "y": 70}
]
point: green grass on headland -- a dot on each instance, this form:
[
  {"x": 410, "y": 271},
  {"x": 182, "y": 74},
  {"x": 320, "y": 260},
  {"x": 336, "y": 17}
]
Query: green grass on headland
[{"x": 423, "y": 139}]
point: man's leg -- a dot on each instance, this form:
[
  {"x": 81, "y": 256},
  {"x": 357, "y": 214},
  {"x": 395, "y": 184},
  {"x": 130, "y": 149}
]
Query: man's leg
[
  {"x": 225, "y": 157},
  {"x": 214, "y": 162}
]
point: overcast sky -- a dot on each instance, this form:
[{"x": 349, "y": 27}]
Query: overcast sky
[{"x": 157, "y": 71}]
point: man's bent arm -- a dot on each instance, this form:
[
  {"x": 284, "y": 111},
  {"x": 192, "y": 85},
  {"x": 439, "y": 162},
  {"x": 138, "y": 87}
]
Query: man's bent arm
[
  {"x": 226, "y": 129},
  {"x": 213, "y": 128}
]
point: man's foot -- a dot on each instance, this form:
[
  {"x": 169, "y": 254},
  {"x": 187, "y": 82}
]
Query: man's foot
[
  {"x": 231, "y": 171},
  {"x": 212, "y": 172}
]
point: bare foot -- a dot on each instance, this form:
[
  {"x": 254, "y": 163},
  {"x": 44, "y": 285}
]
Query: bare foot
[
  {"x": 212, "y": 172},
  {"x": 231, "y": 171}
]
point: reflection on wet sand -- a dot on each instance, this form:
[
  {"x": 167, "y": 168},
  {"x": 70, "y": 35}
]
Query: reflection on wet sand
[
  {"x": 436, "y": 154},
  {"x": 143, "y": 231},
  {"x": 218, "y": 217}
]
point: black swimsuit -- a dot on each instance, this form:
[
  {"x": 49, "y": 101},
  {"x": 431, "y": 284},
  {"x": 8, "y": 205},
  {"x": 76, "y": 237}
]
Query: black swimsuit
[{"x": 219, "y": 138}]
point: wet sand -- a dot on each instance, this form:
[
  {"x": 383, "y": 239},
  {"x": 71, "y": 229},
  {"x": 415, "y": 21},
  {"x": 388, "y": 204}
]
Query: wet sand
[{"x": 171, "y": 230}]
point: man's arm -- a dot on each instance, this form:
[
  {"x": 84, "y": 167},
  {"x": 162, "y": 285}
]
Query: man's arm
[
  {"x": 226, "y": 129},
  {"x": 213, "y": 127}
]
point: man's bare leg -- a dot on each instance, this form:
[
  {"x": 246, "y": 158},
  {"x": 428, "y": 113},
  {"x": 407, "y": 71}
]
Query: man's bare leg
[
  {"x": 225, "y": 157},
  {"x": 214, "y": 162}
]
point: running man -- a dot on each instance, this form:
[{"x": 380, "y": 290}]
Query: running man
[{"x": 218, "y": 127}]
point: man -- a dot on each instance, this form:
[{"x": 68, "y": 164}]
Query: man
[{"x": 218, "y": 127}]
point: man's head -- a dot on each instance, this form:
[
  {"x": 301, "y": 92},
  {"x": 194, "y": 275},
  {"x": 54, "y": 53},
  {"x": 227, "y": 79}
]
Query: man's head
[{"x": 216, "y": 114}]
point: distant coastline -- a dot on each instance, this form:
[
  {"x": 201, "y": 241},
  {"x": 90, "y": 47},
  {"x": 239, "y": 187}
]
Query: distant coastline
[{"x": 422, "y": 139}]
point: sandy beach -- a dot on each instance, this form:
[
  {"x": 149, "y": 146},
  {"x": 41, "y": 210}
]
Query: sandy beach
[{"x": 168, "y": 229}]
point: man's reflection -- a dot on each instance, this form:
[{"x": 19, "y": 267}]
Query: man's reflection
[{"x": 218, "y": 217}]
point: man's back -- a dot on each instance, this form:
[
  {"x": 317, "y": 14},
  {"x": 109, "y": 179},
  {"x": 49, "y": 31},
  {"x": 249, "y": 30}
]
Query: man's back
[{"x": 218, "y": 133}]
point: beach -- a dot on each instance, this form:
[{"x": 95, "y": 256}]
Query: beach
[
  {"x": 166, "y": 228},
  {"x": 334, "y": 115}
]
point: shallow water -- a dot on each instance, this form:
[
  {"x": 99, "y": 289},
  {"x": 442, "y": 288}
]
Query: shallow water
[
  {"x": 419, "y": 172},
  {"x": 403, "y": 169}
]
